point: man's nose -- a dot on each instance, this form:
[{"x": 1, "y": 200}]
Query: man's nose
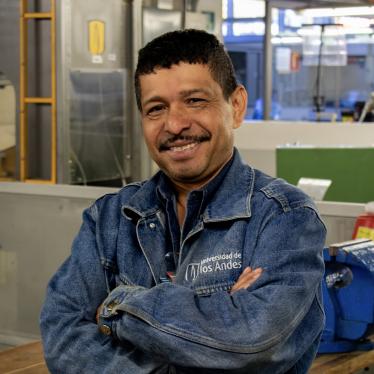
[{"x": 177, "y": 120}]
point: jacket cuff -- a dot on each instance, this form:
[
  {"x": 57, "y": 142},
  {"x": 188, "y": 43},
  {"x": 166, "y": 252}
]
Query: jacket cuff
[{"x": 113, "y": 306}]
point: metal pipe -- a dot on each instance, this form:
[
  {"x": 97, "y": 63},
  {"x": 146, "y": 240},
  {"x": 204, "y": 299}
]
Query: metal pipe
[
  {"x": 184, "y": 9},
  {"x": 267, "y": 62}
]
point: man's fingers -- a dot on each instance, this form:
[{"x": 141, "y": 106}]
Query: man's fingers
[
  {"x": 248, "y": 275},
  {"x": 246, "y": 279},
  {"x": 98, "y": 311}
]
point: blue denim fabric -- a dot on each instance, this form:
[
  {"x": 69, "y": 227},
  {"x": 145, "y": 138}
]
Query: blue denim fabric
[{"x": 192, "y": 325}]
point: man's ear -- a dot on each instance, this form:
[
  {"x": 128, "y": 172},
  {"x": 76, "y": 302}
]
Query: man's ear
[{"x": 239, "y": 100}]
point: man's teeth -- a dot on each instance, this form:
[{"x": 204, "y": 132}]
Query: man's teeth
[{"x": 183, "y": 148}]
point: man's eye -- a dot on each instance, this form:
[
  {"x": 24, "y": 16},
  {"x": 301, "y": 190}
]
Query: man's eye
[
  {"x": 195, "y": 100},
  {"x": 155, "y": 110}
]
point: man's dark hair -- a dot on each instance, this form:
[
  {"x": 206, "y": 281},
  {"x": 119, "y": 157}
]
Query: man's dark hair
[{"x": 189, "y": 46}]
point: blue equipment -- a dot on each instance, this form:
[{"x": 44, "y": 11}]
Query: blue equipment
[{"x": 348, "y": 296}]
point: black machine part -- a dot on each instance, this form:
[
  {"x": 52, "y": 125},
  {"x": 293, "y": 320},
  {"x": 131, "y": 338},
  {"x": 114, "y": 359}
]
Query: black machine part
[{"x": 338, "y": 275}]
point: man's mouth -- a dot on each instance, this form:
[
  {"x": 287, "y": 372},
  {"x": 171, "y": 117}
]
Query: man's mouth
[
  {"x": 184, "y": 147},
  {"x": 182, "y": 143}
]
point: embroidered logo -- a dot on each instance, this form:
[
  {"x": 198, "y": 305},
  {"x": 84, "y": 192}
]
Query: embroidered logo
[
  {"x": 192, "y": 271},
  {"x": 222, "y": 262}
]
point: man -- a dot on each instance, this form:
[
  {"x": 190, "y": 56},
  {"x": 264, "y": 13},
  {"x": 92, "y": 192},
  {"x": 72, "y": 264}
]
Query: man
[{"x": 208, "y": 267}]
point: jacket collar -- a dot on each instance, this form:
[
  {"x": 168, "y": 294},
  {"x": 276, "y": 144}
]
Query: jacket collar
[{"x": 230, "y": 201}]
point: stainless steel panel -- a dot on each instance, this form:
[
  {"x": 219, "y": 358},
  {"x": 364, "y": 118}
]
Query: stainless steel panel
[
  {"x": 159, "y": 21},
  {"x": 97, "y": 126},
  {"x": 112, "y": 14},
  {"x": 95, "y": 90}
]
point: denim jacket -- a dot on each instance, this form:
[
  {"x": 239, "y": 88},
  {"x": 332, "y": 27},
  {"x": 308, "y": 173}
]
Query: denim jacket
[{"x": 193, "y": 324}]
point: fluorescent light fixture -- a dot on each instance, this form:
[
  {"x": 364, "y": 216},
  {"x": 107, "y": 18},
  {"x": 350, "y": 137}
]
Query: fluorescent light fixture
[
  {"x": 346, "y": 30},
  {"x": 315, "y": 30},
  {"x": 253, "y": 28},
  {"x": 248, "y": 28},
  {"x": 286, "y": 40},
  {"x": 358, "y": 30},
  {"x": 291, "y": 40},
  {"x": 337, "y": 12},
  {"x": 293, "y": 19}
]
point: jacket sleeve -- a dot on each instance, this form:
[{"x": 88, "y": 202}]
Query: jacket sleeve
[
  {"x": 72, "y": 342},
  {"x": 258, "y": 328}
]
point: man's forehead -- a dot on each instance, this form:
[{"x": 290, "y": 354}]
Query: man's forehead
[
  {"x": 180, "y": 68},
  {"x": 180, "y": 79}
]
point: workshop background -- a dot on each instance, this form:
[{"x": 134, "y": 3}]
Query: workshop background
[{"x": 66, "y": 84}]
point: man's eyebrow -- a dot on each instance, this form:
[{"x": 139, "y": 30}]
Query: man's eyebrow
[
  {"x": 194, "y": 91},
  {"x": 151, "y": 99}
]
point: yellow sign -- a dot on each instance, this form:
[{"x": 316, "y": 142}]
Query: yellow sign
[
  {"x": 96, "y": 37},
  {"x": 365, "y": 233}
]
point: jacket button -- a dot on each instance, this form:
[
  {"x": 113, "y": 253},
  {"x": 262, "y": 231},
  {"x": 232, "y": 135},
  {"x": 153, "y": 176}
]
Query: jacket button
[
  {"x": 105, "y": 329},
  {"x": 152, "y": 226}
]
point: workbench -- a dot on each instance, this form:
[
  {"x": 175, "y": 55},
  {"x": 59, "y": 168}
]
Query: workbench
[
  {"x": 342, "y": 363},
  {"x": 28, "y": 359},
  {"x": 24, "y": 359}
]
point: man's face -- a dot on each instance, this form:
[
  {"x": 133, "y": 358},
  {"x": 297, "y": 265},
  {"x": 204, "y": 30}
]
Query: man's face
[{"x": 187, "y": 123}]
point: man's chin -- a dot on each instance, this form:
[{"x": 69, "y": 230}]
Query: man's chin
[{"x": 186, "y": 176}]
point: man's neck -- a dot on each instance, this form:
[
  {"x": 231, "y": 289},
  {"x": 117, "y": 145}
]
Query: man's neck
[{"x": 183, "y": 189}]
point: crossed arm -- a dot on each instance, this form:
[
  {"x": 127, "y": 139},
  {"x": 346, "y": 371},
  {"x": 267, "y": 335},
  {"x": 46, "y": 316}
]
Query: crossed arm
[{"x": 245, "y": 280}]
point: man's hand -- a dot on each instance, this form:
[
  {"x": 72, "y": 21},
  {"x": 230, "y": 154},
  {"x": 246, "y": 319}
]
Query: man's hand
[{"x": 246, "y": 279}]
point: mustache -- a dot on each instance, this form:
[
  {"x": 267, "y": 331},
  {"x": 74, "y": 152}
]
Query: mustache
[{"x": 169, "y": 142}]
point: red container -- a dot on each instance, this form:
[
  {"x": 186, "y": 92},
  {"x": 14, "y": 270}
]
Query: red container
[{"x": 364, "y": 227}]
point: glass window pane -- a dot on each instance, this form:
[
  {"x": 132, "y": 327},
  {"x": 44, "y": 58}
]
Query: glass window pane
[{"x": 249, "y": 8}]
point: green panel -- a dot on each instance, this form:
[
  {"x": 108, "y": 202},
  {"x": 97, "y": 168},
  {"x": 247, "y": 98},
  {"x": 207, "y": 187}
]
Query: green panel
[{"x": 350, "y": 169}]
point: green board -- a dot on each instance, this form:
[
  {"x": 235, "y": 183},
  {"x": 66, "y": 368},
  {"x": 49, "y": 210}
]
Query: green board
[{"x": 350, "y": 169}]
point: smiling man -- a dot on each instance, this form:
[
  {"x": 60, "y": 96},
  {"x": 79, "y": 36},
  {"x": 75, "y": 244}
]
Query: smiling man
[
  {"x": 208, "y": 267},
  {"x": 188, "y": 124}
]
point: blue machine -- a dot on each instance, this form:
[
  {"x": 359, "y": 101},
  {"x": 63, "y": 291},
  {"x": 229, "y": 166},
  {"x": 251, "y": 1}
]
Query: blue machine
[{"x": 348, "y": 293}]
